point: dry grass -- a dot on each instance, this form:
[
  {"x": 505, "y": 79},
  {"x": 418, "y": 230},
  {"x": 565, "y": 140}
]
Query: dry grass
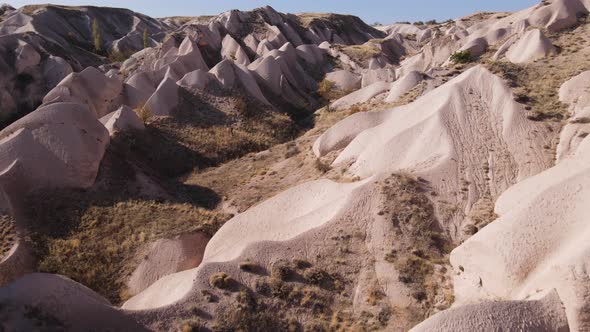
[
  {"x": 360, "y": 53},
  {"x": 95, "y": 241},
  {"x": 306, "y": 19},
  {"x": 7, "y": 234}
]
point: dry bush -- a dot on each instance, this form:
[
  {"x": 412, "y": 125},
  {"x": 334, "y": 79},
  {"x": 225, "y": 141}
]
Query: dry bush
[{"x": 220, "y": 280}]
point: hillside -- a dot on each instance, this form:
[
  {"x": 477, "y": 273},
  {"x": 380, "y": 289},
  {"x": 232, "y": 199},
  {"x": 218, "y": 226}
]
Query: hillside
[{"x": 264, "y": 171}]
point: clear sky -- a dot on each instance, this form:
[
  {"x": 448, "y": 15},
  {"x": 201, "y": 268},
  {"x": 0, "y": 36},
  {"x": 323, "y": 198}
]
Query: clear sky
[{"x": 384, "y": 11}]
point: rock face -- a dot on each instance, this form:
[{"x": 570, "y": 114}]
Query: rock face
[
  {"x": 360, "y": 96},
  {"x": 60, "y": 303},
  {"x": 574, "y": 93},
  {"x": 284, "y": 217},
  {"x": 90, "y": 87},
  {"x": 546, "y": 314},
  {"x": 59, "y": 145},
  {"x": 392, "y": 140},
  {"x": 463, "y": 143},
  {"x": 533, "y": 45},
  {"x": 403, "y": 85},
  {"x": 55, "y": 69},
  {"x": 536, "y": 244},
  {"x": 165, "y": 257},
  {"x": 121, "y": 120},
  {"x": 345, "y": 80}
]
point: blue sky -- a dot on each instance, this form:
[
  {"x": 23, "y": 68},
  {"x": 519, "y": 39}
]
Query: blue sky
[{"x": 384, "y": 11}]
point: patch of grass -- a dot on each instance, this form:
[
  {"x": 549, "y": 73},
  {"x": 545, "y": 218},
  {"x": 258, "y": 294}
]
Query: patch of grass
[{"x": 360, "y": 53}]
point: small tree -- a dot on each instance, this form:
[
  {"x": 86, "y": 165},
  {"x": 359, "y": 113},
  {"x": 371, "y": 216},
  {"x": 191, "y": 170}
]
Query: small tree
[
  {"x": 96, "y": 36},
  {"x": 146, "y": 40}
]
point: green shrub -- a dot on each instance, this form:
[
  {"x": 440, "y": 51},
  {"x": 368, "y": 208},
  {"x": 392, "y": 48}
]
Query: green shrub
[{"x": 462, "y": 57}]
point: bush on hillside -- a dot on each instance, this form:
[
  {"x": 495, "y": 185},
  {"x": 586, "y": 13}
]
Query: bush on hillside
[{"x": 462, "y": 57}]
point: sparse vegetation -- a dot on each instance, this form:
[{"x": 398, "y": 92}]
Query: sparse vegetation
[
  {"x": 420, "y": 243},
  {"x": 462, "y": 57}
]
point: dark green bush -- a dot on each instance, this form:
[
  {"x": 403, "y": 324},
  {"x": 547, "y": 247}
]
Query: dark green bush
[{"x": 462, "y": 57}]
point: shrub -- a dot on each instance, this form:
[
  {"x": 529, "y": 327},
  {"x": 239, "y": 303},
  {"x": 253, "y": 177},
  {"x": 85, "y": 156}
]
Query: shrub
[
  {"x": 220, "y": 280},
  {"x": 431, "y": 22},
  {"x": 462, "y": 57}
]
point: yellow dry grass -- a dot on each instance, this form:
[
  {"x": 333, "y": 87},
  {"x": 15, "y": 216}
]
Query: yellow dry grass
[{"x": 95, "y": 241}]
